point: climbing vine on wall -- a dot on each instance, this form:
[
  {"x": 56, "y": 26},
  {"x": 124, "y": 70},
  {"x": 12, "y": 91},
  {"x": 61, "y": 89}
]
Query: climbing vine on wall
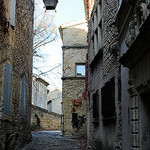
[
  {"x": 89, "y": 5},
  {"x": 78, "y": 121},
  {"x": 78, "y": 102}
]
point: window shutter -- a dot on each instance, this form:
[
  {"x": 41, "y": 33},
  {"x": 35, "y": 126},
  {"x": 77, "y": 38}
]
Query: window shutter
[
  {"x": 120, "y": 1},
  {"x": 12, "y": 12},
  {"x": 23, "y": 98},
  {"x": 7, "y": 90},
  {"x": 119, "y": 4}
]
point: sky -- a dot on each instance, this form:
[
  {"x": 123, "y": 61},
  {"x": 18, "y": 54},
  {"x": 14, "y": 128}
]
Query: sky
[{"x": 66, "y": 11}]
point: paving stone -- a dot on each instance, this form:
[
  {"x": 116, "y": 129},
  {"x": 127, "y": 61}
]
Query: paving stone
[{"x": 51, "y": 140}]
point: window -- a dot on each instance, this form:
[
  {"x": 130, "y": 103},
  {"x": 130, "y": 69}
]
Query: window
[
  {"x": 80, "y": 69},
  {"x": 12, "y": 12},
  {"x": 49, "y": 106},
  {"x": 40, "y": 87},
  {"x": 96, "y": 24},
  {"x": 7, "y": 90},
  {"x": 75, "y": 121},
  {"x": 23, "y": 98},
  {"x": 108, "y": 101}
]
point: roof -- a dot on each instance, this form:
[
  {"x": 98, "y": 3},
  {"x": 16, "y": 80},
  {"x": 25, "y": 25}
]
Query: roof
[{"x": 41, "y": 80}]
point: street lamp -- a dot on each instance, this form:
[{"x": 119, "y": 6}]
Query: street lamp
[{"x": 50, "y": 4}]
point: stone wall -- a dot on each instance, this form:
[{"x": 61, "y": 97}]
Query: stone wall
[
  {"x": 41, "y": 119},
  {"x": 73, "y": 33},
  {"x": 16, "y": 52},
  {"x": 137, "y": 59},
  {"x": 128, "y": 127},
  {"x": 72, "y": 89}
]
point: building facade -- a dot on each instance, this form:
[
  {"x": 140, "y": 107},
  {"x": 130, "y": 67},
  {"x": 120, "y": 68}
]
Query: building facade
[
  {"x": 16, "y": 51},
  {"x": 118, "y": 75},
  {"x": 103, "y": 77},
  {"x": 54, "y": 101},
  {"x": 74, "y": 58},
  {"x": 135, "y": 57},
  {"x": 39, "y": 92}
]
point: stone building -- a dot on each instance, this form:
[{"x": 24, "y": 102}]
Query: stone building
[
  {"x": 16, "y": 50},
  {"x": 118, "y": 75},
  {"x": 74, "y": 58},
  {"x": 134, "y": 39},
  {"x": 39, "y": 92},
  {"x": 103, "y": 103},
  {"x": 54, "y": 101}
]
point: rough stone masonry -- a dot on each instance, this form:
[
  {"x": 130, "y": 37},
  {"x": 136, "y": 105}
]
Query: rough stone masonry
[{"x": 16, "y": 51}]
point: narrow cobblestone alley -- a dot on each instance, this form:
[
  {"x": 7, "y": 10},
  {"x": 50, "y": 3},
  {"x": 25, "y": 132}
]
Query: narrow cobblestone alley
[{"x": 51, "y": 140}]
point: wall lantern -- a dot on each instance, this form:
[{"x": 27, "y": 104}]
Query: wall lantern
[{"x": 50, "y": 4}]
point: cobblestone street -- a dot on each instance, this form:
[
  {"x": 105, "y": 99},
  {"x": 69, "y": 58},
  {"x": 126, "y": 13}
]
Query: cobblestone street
[{"x": 51, "y": 140}]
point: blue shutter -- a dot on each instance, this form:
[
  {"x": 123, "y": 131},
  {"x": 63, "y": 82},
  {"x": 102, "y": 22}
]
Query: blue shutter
[
  {"x": 7, "y": 90},
  {"x": 23, "y": 98},
  {"x": 12, "y": 12},
  {"x": 119, "y": 4}
]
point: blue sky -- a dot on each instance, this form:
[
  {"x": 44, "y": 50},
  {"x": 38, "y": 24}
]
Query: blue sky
[{"x": 69, "y": 10}]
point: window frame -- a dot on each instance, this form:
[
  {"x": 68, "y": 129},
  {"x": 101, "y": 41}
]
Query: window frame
[
  {"x": 80, "y": 64},
  {"x": 108, "y": 99},
  {"x": 96, "y": 23},
  {"x": 49, "y": 103}
]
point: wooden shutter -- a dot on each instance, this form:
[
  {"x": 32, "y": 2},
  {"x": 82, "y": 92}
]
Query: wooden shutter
[
  {"x": 23, "y": 98},
  {"x": 7, "y": 89},
  {"x": 12, "y": 12}
]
